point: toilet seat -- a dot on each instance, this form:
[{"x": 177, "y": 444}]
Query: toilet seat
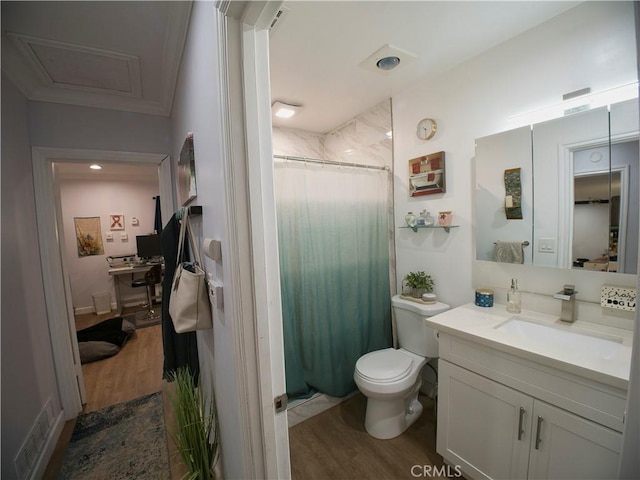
[{"x": 385, "y": 366}]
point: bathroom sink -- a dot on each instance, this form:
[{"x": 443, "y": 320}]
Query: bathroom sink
[{"x": 562, "y": 336}]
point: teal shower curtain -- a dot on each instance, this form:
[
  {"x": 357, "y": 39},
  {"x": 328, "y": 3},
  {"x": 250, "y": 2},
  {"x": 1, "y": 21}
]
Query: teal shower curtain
[{"x": 334, "y": 266}]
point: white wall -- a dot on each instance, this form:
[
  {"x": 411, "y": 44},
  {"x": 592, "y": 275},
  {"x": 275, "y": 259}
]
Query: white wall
[
  {"x": 28, "y": 378},
  {"x": 591, "y": 45},
  {"x": 88, "y": 275},
  {"x": 197, "y": 109}
]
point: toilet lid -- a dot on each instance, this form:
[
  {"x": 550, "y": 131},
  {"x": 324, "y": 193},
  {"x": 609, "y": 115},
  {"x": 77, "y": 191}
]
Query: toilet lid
[{"x": 384, "y": 365}]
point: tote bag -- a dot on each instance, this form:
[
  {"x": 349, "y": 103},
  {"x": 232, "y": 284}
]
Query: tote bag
[{"x": 189, "y": 305}]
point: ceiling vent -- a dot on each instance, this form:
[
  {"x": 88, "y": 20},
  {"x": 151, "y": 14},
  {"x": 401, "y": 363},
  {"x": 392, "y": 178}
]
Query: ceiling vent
[{"x": 387, "y": 59}]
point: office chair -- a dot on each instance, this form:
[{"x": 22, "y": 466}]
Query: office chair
[{"x": 151, "y": 278}]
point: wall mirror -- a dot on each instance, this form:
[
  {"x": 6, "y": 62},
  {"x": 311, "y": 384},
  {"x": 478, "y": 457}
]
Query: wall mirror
[{"x": 579, "y": 191}]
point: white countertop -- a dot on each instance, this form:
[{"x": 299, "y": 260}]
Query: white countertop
[{"x": 479, "y": 324}]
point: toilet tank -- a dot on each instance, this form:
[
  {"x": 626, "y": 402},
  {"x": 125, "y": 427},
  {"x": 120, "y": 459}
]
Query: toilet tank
[{"x": 413, "y": 332}]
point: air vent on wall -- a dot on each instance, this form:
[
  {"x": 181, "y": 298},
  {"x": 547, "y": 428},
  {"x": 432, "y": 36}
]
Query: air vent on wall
[{"x": 278, "y": 18}]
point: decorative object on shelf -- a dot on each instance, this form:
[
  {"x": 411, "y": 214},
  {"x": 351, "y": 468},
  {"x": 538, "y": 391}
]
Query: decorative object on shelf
[
  {"x": 426, "y": 129},
  {"x": 410, "y": 220},
  {"x": 513, "y": 194},
  {"x": 445, "y": 218},
  {"x": 419, "y": 283},
  {"x": 484, "y": 297},
  {"x": 427, "y": 175},
  {"x": 429, "y": 221},
  {"x": 187, "y": 172}
]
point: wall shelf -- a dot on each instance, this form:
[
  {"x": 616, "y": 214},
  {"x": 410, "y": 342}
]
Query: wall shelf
[{"x": 433, "y": 227}]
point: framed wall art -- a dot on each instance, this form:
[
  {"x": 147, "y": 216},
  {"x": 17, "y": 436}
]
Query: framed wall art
[
  {"x": 116, "y": 221},
  {"x": 427, "y": 175},
  {"x": 187, "y": 172},
  {"x": 88, "y": 236}
]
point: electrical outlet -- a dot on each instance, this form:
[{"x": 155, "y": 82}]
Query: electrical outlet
[{"x": 619, "y": 298}]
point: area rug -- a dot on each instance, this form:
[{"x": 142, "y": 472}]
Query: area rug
[{"x": 124, "y": 441}]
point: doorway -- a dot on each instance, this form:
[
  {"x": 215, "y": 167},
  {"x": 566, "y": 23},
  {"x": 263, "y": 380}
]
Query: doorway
[
  {"x": 121, "y": 353},
  {"x": 55, "y": 273}
]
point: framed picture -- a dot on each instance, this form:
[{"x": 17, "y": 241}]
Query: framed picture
[
  {"x": 187, "y": 172},
  {"x": 427, "y": 175},
  {"x": 116, "y": 221},
  {"x": 88, "y": 236}
]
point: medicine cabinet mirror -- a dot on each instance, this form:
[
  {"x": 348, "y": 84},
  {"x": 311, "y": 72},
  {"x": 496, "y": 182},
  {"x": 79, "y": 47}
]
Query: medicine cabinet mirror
[{"x": 579, "y": 191}]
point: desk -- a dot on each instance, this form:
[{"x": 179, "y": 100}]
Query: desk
[{"x": 115, "y": 272}]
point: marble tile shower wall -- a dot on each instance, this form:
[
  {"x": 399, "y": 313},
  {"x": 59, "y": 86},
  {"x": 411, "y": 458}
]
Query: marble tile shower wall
[{"x": 365, "y": 139}]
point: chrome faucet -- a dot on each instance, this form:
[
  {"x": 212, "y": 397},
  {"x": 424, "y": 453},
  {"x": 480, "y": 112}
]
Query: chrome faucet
[{"x": 568, "y": 297}]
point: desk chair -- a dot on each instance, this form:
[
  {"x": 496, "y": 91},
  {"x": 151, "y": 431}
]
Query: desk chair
[{"x": 151, "y": 278}]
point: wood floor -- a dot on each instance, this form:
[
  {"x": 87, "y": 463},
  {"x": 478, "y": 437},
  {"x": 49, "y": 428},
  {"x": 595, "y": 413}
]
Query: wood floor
[
  {"x": 334, "y": 445},
  {"x": 136, "y": 370}
]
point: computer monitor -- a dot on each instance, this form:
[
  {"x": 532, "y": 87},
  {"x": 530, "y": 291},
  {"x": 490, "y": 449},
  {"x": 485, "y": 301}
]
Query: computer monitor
[{"x": 148, "y": 246}]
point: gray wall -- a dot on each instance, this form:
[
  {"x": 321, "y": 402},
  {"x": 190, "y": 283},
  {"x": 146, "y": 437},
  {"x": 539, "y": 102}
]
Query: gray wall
[
  {"x": 69, "y": 126},
  {"x": 28, "y": 378}
]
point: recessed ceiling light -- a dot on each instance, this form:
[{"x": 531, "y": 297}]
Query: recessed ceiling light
[
  {"x": 95, "y": 167},
  {"x": 284, "y": 110}
]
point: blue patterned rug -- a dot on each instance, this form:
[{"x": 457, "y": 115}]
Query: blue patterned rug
[{"x": 124, "y": 441}]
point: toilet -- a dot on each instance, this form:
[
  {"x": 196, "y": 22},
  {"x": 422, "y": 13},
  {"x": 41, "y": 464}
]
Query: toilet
[{"x": 390, "y": 378}]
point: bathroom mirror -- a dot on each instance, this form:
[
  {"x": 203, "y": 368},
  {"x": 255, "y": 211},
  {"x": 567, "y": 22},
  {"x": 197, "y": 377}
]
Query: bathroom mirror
[{"x": 579, "y": 191}]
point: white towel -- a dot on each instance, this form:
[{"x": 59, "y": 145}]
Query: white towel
[{"x": 509, "y": 252}]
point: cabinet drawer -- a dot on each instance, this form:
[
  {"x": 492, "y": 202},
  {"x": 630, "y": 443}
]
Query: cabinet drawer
[{"x": 592, "y": 400}]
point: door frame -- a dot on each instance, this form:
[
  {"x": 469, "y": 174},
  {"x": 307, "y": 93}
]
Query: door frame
[
  {"x": 57, "y": 290},
  {"x": 251, "y": 218}
]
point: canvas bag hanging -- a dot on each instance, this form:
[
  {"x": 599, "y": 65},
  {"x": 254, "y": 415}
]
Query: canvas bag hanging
[{"x": 189, "y": 305}]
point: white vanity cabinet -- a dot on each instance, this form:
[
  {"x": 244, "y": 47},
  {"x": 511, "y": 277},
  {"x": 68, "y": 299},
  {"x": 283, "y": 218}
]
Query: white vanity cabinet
[{"x": 504, "y": 417}]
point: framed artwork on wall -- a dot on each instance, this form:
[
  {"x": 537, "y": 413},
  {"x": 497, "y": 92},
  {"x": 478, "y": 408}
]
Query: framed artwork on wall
[
  {"x": 116, "y": 221},
  {"x": 187, "y": 172},
  {"x": 88, "y": 236},
  {"x": 427, "y": 175}
]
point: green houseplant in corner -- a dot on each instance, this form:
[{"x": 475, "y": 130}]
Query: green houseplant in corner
[
  {"x": 196, "y": 435},
  {"x": 419, "y": 282}
]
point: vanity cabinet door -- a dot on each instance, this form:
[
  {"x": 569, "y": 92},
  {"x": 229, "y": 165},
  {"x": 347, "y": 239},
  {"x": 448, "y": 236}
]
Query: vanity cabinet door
[
  {"x": 483, "y": 426},
  {"x": 565, "y": 445}
]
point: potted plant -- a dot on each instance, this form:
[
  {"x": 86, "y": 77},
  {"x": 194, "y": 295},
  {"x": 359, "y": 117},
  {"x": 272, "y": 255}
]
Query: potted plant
[
  {"x": 419, "y": 282},
  {"x": 197, "y": 435}
]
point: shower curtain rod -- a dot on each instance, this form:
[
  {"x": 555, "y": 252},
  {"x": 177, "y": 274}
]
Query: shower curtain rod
[{"x": 332, "y": 162}]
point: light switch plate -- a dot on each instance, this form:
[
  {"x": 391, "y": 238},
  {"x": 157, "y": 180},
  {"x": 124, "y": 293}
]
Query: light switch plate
[
  {"x": 619, "y": 298},
  {"x": 124, "y": 237},
  {"x": 547, "y": 245}
]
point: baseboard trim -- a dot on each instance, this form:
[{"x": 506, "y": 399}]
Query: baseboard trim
[{"x": 49, "y": 446}]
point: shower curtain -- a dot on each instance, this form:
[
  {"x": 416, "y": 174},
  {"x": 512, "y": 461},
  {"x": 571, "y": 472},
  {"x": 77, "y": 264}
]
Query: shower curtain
[{"x": 334, "y": 266}]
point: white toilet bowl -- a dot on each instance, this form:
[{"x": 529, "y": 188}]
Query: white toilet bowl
[{"x": 390, "y": 379}]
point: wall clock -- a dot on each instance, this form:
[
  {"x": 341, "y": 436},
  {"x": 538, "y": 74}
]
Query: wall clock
[{"x": 426, "y": 129}]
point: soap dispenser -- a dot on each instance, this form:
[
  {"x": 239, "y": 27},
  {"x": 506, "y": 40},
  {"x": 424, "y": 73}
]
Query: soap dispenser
[{"x": 514, "y": 302}]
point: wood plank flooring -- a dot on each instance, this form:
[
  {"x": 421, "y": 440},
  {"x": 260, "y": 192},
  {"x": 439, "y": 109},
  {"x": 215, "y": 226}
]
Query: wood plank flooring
[
  {"x": 136, "y": 370},
  {"x": 334, "y": 445}
]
